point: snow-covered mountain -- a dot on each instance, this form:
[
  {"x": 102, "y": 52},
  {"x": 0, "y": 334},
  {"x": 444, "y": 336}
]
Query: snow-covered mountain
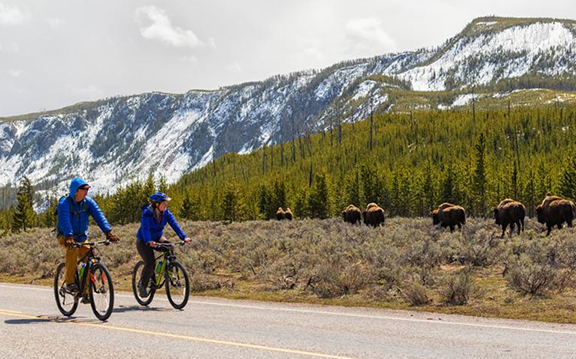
[{"x": 110, "y": 142}]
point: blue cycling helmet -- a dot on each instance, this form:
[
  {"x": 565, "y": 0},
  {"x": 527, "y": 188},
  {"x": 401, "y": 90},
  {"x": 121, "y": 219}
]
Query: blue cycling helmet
[{"x": 159, "y": 197}]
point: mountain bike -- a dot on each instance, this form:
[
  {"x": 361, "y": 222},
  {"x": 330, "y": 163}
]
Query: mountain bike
[
  {"x": 169, "y": 272},
  {"x": 94, "y": 274}
]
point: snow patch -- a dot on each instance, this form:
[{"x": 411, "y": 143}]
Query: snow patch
[
  {"x": 364, "y": 89},
  {"x": 463, "y": 100}
]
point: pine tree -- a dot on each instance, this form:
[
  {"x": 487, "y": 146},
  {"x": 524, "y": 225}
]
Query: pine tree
[
  {"x": 279, "y": 194},
  {"x": 530, "y": 194},
  {"x": 567, "y": 184},
  {"x": 479, "y": 180},
  {"x": 352, "y": 188},
  {"x": 118, "y": 212},
  {"x": 163, "y": 186},
  {"x": 514, "y": 183},
  {"x": 318, "y": 202},
  {"x": 301, "y": 208},
  {"x": 427, "y": 191},
  {"x": 395, "y": 198},
  {"x": 370, "y": 185},
  {"x": 24, "y": 215},
  {"x": 448, "y": 184},
  {"x": 186, "y": 211},
  {"x": 148, "y": 188},
  {"x": 233, "y": 204}
]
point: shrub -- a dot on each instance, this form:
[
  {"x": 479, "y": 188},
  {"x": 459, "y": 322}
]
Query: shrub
[
  {"x": 480, "y": 249},
  {"x": 415, "y": 294},
  {"x": 529, "y": 277},
  {"x": 458, "y": 288},
  {"x": 201, "y": 283}
]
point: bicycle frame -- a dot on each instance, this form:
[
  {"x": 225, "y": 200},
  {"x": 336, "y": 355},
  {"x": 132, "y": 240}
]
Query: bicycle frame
[
  {"x": 91, "y": 259},
  {"x": 167, "y": 256}
]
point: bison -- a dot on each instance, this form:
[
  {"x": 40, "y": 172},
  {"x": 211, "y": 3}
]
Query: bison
[
  {"x": 437, "y": 213},
  {"x": 510, "y": 212},
  {"x": 554, "y": 211},
  {"x": 449, "y": 215},
  {"x": 280, "y": 214},
  {"x": 288, "y": 214},
  {"x": 352, "y": 214},
  {"x": 373, "y": 215}
]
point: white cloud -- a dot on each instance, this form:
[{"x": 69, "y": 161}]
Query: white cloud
[
  {"x": 89, "y": 92},
  {"x": 235, "y": 67},
  {"x": 366, "y": 37},
  {"x": 13, "y": 48},
  {"x": 309, "y": 57},
  {"x": 56, "y": 23},
  {"x": 11, "y": 15},
  {"x": 16, "y": 73},
  {"x": 189, "y": 59},
  {"x": 314, "y": 53},
  {"x": 162, "y": 29}
]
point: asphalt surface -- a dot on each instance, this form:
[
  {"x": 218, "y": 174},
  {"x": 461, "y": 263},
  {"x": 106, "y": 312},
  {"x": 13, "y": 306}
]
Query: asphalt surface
[{"x": 32, "y": 327}]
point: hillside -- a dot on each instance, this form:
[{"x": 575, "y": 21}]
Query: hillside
[
  {"x": 416, "y": 161},
  {"x": 525, "y": 62}
]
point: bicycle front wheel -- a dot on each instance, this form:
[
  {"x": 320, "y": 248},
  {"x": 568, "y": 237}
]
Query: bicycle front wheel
[
  {"x": 101, "y": 291},
  {"x": 136, "y": 278},
  {"x": 177, "y": 285},
  {"x": 66, "y": 302}
]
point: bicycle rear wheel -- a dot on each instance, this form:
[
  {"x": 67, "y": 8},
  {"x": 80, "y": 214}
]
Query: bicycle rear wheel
[
  {"x": 101, "y": 291},
  {"x": 177, "y": 285},
  {"x": 66, "y": 302},
  {"x": 136, "y": 278}
]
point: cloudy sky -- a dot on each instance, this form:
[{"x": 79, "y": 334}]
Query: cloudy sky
[{"x": 60, "y": 52}]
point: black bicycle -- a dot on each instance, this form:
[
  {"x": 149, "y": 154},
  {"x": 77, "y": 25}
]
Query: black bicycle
[
  {"x": 168, "y": 272},
  {"x": 94, "y": 274}
]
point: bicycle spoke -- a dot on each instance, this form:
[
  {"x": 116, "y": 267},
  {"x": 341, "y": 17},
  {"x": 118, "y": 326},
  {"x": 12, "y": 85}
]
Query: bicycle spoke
[
  {"x": 100, "y": 292},
  {"x": 177, "y": 285},
  {"x": 66, "y": 302}
]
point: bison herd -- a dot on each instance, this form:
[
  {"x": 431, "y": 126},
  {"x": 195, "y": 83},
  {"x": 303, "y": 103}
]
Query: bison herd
[{"x": 553, "y": 211}]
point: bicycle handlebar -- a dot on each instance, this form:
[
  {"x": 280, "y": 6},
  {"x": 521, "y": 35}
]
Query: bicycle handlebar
[
  {"x": 169, "y": 244},
  {"x": 90, "y": 244}
]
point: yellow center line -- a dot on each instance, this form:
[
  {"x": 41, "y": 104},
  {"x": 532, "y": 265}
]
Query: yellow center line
[
  {"x": 176, "y": 336},
  {"x": 10, "y": 311}
]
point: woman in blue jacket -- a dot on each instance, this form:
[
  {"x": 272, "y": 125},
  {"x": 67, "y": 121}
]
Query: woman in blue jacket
[{"x": 154, "y": 218}]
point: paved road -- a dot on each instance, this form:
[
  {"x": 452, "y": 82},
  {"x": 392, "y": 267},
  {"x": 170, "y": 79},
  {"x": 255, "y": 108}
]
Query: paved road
[{"x": 31, "y": 327}]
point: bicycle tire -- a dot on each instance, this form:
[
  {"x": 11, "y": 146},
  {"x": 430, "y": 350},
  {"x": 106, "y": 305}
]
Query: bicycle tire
[
  {"x": 136, "y": 276},
  {"x": 101, "y": 291},
  {"x": 66, "y": 302},
  {"x": 174, "y": 275}
]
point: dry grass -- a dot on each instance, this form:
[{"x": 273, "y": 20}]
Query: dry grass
[{"x": 406, "y": 264}]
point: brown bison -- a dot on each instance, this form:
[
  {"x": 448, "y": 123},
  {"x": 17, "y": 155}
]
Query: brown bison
[
  {"x": 373, "y": 215},
  {"x": 510, "y": 212},
  {"x": 288, "y": 214},
  {"x": 280, "y": 214},
  {"x": 554, "y": 211},
  {"x": 437, "y": 213},
  {"x": 449, "y": 215},
  {"x": 352, "y": 214}
]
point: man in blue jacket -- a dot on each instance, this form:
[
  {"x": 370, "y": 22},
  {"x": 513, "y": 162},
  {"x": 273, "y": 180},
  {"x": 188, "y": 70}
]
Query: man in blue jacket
[
  {"x": 73, "y": 219},
  {"x": 154, "y": 217}
]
